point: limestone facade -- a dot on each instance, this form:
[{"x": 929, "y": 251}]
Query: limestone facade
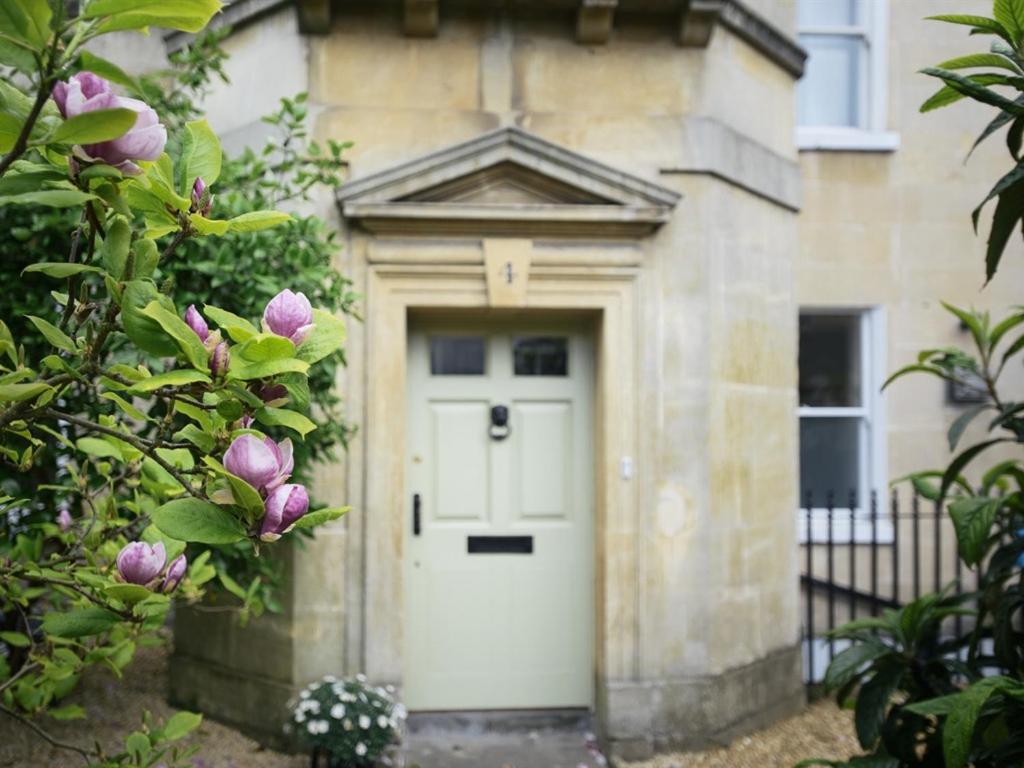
[{"x": 649, "y": 180}]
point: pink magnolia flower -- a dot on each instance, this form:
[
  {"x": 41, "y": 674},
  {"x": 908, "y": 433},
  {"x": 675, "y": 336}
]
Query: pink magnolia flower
[
  {"x": 196, "y": 322},
  {"x": 290, "y": 315},
  {"x": 263, "y": 464},
  {"x": 64, "y": 520},
  {"x": 145, "y": 140},
  {"x": 140, "y": 563},
  {"x": 283, "y": 507},
  {"x": 202, "y": 201},
  {"x": 175, "y": 572}
]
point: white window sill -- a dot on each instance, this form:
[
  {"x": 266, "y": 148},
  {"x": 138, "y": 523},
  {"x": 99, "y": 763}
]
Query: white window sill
[
  {"x": 822, "y": 139},
  {"x": 847, "y": 528}
]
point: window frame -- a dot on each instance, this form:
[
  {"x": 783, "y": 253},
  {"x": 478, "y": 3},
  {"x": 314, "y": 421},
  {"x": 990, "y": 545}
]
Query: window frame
[
  {"x": 871, "y": 134},
  {"x": 854, "y": 525}
]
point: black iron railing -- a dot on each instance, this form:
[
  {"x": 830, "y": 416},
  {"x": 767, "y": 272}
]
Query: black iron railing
[{"x": 859, "y": 559}]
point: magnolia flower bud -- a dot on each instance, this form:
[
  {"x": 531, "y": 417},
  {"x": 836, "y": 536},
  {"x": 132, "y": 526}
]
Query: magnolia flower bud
[
  {"x": 252, "y": 460},
  {"x": 273, "y": 394},
  {"x": 64, "y": 520},
  {"x": 283, "y": 507},
  {"x": 175, "y": 572},
  {"x": 196, "y": 322},
  {"x": 140, "y": 563},
  {"x": 145, "y": 140},
  {"x": 290, "y": 315},
  {"x": 220, "y": 360},
  {"x": 202, "y": 201}
]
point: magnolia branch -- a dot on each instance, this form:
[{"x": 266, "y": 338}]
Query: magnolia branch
[
  {"x": 44, "y": 735},
  {"x": 142, "y": 444}
]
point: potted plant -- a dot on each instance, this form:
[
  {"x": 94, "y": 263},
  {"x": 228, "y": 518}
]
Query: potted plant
[{"x": 347, "y": 723}]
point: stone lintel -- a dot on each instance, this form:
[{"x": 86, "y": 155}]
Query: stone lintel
[
  {"x": 420, "y": 18},
  {"x": 594, "y": 21}
]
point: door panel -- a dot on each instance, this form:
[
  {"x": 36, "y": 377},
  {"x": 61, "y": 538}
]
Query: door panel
[{"x": 494, "y": 629}]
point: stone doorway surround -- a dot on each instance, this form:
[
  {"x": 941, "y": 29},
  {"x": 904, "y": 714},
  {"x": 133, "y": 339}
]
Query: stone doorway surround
[{"x": 504, "y": 223}]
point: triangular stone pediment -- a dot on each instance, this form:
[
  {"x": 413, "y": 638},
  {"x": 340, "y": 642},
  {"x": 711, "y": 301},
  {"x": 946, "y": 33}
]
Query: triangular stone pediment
[{"x": 506, "y": 181}]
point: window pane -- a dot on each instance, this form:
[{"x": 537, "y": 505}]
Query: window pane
[
  {"x": 829, "y": 93},
  {"x": 828, "y": 13},
  {"x": 456, "y": 356},
  {"x": 829, "y": 460},
  {"x": 541, "y": 356},
  {"x": 830, "y": 355}
]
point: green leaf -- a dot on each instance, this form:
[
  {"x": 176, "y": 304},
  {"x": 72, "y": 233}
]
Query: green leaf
[
  {"x": 321, "y": 516},
  {"x": 94, "y": 127},
  {"x": 15, "y": 639},
  {"x": 55, "y": 198},
  {"x": 181, "y": 724},
  {"x": 205, "y": 226},
  {"x": 244, "y": 370},
  {"x": 947, "y": 95},
  {"x": 176, "y": 378},
  {"x": 941, "y": 705},
  {"x": 972, "y": 520},
  {"x": 10, "y": 128},
  {"x": 845, "y": 666},
  {"x": 60, "y": 269},
  {"x": 957, "y": 428},
  {"x": 981, "y": 60},
  {"x": 254, "y": 221},
  {"x": 978, "y": 22},
  {"x": 129, "y": 594},
  {"x": 98, "y": 447},
  {"x": 184, "y": 15},
  {"x": 201, "y": 156},
  {"x": 873, "y": 701},
  {"x": 145, "y": 332},
  {"x": 145, "y": 257},
  {"x": 53, "y": 334},
  {"x": 1010, "y": 15},
  {"x": 82, "y": 622},
  {"x": 1015, "y": 176},
  {"x": 970, "y": 86},
  {"x": 957, "y": 465},
  {"x": 138, "y": 745},
  {"x": 282, "y": 417},
  {"x": 68, "y": 712},
  {"x": 200, "y": 521},
  {"x": 327, "y": 336},
  {"x": 184, "y": 337},
  {"x": 197, "y": 437},
  {"x": 238, "y": 328},
  {"x": 1008, "y": 212},
  {"x": 116, "y": 246},
  {"x": 958, "y": 731},
  {"x": 263, "y": 347},
  {"x": 28, "y": 20},
  {"x": 13, "y": 393}
]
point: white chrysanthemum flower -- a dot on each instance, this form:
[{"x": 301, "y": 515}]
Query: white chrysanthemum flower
[
  {"x": 300, "y": 716},
  {"x": 361, "y": 677},
  {"x": 364, "y": 721},
  {"x": 304, "y": 694},
  {"x": 346, "y": 724},
  {"x": 330, "y": 679},
  {"x": 360, "y": 749},
  {"x": 400, "y": 712},
  {"x": 389, "y": 688},
  {"x": 382, "y": 721},
  {"x": 314, "y": 706},
  {"x": 338, "y": 711}
]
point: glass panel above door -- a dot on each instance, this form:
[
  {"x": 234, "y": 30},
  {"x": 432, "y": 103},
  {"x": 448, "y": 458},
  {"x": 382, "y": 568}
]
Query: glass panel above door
[
  {"x": 541, "y": 356},
  {"x": 830, "y": 361},
  {"x": 457, "y": 355}
]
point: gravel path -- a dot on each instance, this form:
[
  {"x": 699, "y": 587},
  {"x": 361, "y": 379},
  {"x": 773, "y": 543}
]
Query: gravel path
[
  {"x": 823, "y": 730},
  {"x": 113, "y": 709}
]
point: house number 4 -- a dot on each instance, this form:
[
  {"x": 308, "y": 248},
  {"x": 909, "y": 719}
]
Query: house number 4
[{"x": 510, "y": 274}]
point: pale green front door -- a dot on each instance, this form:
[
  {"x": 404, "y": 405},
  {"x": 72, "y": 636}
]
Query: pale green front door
[{"x": 499, "y": 569}]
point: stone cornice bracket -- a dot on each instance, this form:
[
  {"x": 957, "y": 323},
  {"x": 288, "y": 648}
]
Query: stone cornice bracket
[
  {"x": 314, "y": 16},
  {"x": 697, "y": 21},
  {"x": 420, "y": 18},
  {"x": 594, "y": 21}
]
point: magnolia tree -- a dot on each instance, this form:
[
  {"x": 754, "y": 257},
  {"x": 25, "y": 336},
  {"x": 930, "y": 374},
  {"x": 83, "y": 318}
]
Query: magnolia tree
[{"x": 158, "y": 408}]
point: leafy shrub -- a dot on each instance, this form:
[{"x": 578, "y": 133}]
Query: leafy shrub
[{"x": 924, "y": 695}]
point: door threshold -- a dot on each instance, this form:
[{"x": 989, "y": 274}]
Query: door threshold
[{"x": 480, "y": 721}]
